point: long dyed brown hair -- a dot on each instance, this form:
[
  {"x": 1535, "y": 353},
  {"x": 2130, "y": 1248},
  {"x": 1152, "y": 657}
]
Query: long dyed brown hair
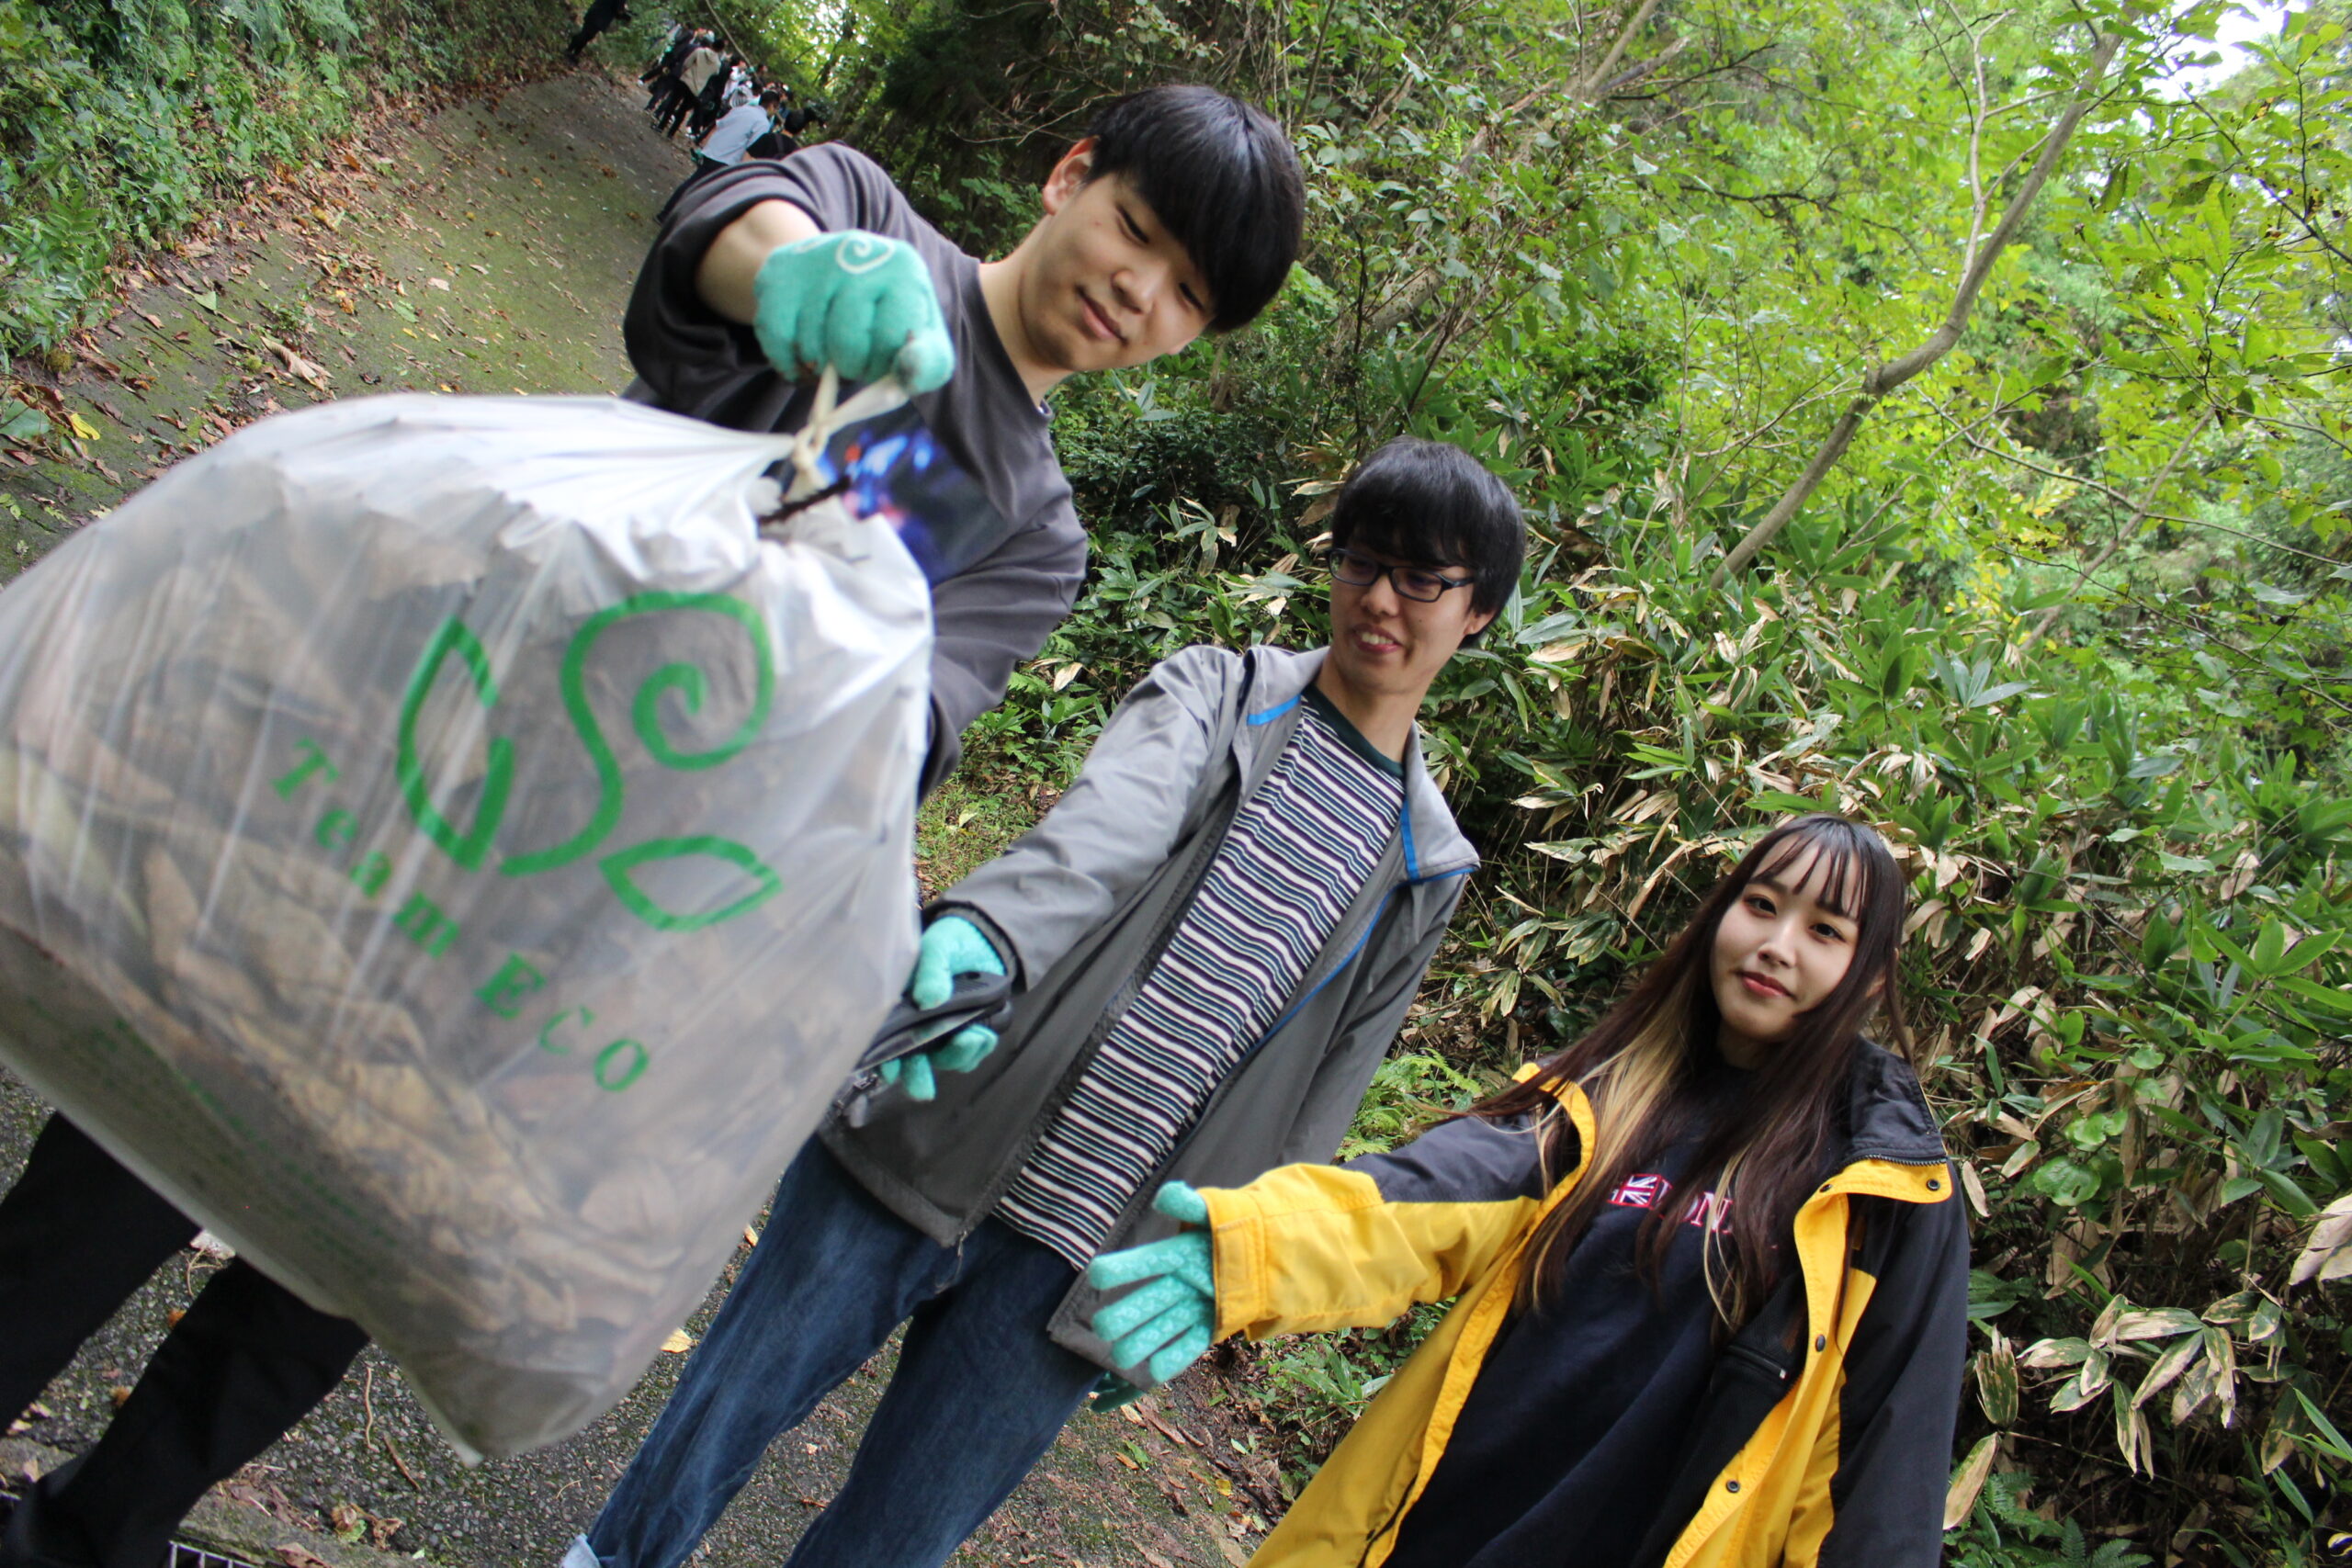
[{"x": 1645, "y": 1065}]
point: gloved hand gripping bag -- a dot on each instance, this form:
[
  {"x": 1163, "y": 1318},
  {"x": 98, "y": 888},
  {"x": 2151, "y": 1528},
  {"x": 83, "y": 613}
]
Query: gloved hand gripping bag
[{"x": 446, "y": 849}]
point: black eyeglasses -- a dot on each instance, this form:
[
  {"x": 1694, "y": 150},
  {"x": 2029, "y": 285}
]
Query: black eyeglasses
[{"x": 1410, "y": 581}]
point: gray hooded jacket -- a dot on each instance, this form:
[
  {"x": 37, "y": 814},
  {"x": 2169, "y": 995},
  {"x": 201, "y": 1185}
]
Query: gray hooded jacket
[{"x": 1082, "y": 905}]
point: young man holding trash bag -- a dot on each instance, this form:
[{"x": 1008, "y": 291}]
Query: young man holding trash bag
[
  {"x": 1178, "y": 214},
  {"x": 1214, "y": 936}
]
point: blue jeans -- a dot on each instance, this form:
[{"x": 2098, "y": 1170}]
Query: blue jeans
[{"x": 979, "y": 1392}]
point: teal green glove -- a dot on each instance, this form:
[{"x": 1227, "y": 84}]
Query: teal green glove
[
  {"x": 857, "y": 302},
  {"x": 952, "y": 945},
  {"x": 1165, "y": 1324}
]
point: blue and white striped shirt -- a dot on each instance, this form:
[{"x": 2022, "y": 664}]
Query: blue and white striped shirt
[{"x": 1297, "y": 853}]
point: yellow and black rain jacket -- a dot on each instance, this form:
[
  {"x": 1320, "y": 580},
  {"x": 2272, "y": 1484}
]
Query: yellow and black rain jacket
[{"x": 1824, "y": 1436}]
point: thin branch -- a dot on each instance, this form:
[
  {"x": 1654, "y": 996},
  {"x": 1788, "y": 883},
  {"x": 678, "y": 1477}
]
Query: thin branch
[
  {"x": 2158, "y": 612},
  {"x": 1883, "y": 379},
  {"x": 1626, "y": 35},
  {"x": 2130, "y": 526},
  {"x": 2116, "y": 495}
]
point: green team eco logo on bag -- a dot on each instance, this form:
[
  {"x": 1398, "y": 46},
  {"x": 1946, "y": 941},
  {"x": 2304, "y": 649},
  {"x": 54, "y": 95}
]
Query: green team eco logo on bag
[
  {"x": 616, "y": 1064},
  {"x": 469, "y": 845}
]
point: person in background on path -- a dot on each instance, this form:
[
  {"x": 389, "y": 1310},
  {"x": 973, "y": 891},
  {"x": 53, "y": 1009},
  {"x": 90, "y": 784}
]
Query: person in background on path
[
  {"x": 601, "y": 15},
  {"x": 711, "y": 103},
  {"x": 1712, "y": 1273},
  {"x": 729, "y": 143},
  {"x": 1178, "y": 215},
  {"x": 685, "y": 90},
  {"x": 663, "y": 73},
  {"x": 737, "y": 129},
  {"x": 783, "y": 139},
  {"x": 670, "y": 34},
  {"x": 743, "y": 86},
  {"x": 1215, "y": 933}
]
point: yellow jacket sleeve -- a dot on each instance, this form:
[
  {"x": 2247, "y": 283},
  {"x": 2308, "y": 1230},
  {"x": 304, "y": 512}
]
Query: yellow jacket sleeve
[{"x": 1307, "y": 1248}]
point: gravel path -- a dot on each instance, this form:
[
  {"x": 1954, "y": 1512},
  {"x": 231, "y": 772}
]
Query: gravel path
[{"x": 487, "y": 249}]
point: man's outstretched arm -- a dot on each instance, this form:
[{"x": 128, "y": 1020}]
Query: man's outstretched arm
[{"x": 730, "y": 268}]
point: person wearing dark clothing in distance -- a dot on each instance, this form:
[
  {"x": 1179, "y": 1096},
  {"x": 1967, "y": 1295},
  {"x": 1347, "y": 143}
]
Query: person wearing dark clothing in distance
[
  {"x": 601, "y": 15},
  {"x": 659, "y": 75},
  {"x": 701, "y": 63}
]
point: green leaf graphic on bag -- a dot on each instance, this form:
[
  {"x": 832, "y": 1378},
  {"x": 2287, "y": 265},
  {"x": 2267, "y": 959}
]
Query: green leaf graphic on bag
[
  {"x": 618, "y": 866},
  {"x": 687, "y": 683},
  {"x": 465, "y": 847}
]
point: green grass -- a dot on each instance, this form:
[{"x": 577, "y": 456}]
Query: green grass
[{"x": 969, "y": 821}]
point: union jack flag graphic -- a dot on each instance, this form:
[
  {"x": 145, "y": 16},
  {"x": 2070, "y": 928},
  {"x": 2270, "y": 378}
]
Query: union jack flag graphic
[
  {"x": 1707, "y": 1210},
  {"x": 1640, "y": 1192}
]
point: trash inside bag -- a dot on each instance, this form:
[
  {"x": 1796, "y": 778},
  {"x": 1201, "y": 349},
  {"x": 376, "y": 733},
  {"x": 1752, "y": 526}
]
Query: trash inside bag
[{"x": 453, "y": 852}]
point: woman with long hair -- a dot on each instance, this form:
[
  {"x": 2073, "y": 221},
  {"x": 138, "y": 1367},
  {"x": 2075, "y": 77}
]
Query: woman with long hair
[{"x": 1711, "y": 1280}]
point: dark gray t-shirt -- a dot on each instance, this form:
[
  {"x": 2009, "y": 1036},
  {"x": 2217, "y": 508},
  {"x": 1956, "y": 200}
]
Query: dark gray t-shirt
[{"x": 966, "y": 473}]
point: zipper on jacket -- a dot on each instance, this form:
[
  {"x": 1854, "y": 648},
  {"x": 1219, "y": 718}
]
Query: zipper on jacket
[{"x": 1756, "y": 1360}]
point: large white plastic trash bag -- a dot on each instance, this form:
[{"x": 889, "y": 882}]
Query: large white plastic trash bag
[{"x": 449, "y": 852}]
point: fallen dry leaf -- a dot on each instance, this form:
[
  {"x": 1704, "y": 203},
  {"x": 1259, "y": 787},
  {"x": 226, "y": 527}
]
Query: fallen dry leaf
[
  {"x": 295, "y": 1556},
  {"x": 678, "y": 1342},
  {"x": 298, "y": 365}
]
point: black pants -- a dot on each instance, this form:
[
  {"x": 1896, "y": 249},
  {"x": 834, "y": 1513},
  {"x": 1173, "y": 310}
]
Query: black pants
[
  {"x": 78, "y": 1236},
  {"x": 600, "y": 16},
  {"x": 674, "y": 108}
]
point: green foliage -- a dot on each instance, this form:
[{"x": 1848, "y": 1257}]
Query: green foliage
[
  {"x": 1411, "y": 1091},
  {"x": 119, "y": 120},
  {"x": 2004, "y": 1533},
  {"x": 1312, "y": 1388}
]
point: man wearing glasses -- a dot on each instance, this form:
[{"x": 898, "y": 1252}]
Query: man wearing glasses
[{"x": 1213, "y": 937}]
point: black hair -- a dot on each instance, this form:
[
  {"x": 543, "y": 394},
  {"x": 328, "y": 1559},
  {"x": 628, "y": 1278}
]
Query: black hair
[
  {"x": 1222, "y": 178},
  {"x": 1430, "y": 503}
]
